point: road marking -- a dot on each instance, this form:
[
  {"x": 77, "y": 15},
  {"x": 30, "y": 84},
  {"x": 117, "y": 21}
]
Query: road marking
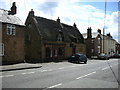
[
  {"x": 44, "y": 70},
  {"x": 7, "y": 76},
  {"x": 61, "y": 68},
  {"x": 50, "y": 70},
  {"x": 105, "y": 68},
  {"x": 116, "y": 64},
  {"x": 27, "y": 73},
  {"x": 23, "y": 73},
  {"x": 30, "y": 72},
  {"x": 55, "y": 85},
  {"x": 1, "y": 76},
  {"x": 73, "y": 66},
  {"x": 86, "y": 75}
]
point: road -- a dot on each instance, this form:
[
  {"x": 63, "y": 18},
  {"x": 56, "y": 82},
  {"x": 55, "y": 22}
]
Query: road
[{"x": 94, "y": 74}]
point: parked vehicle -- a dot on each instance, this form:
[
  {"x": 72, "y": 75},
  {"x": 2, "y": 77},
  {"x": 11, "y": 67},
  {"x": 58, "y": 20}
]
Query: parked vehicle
[
  {"x": 78, "y": 58},
  {"x": 116, "y": 56},
  {"x": 103, "y": 56}
]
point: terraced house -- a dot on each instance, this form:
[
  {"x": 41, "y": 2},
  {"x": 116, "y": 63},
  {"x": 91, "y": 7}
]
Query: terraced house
[
  {"x": 49, "y": 40},
  {"x": 11, "y": 38}
]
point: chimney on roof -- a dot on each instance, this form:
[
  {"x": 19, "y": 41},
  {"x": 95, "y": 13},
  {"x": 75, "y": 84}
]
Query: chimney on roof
[
  {"x": 74, "y": 25},
  {"x": 31, "y": 13},
  {"x": 109, "y": 35},
  {"x": 89, "y": 34},
  {"x": 58, "y": 20},
  {"x": 13, "y": 9},
  {"x": 99, "y": 31}
]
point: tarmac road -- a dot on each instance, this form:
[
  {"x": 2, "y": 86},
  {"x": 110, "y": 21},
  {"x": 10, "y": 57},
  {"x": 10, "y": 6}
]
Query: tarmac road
[{"x": 94, "y": 74}]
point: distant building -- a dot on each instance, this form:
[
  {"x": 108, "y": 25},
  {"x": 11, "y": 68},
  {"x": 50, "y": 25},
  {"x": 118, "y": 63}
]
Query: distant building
[
  {"x": 118, "y": 48},
  {"x": 11, "y": 38},
  {"x": 51, "y": 40},
  {"x": 94, "y": 43}
]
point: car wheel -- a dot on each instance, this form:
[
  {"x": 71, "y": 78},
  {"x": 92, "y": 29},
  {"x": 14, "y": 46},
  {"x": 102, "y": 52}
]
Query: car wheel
[{"x": 85, "y": 62}]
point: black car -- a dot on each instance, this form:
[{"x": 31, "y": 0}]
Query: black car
[
  {"x": 116, "y": 56},
  {"x": 103, "y": 56},
  {"x": 78, "y": 58}
]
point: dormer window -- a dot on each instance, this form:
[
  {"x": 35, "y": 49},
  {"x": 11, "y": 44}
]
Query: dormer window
[
  {"x": 29, "y": 25},
  {"x": 11, "y": 29},
  {"x": 59, "y": 38}
]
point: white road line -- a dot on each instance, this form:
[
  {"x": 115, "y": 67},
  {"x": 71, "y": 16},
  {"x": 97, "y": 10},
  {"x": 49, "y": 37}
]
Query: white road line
[
  {"x": 116, "y": 64},
  {"x": 8, "y": 76},
  {"x": 44, "y": 70},
  {"x": 50, "y": 70},
  {"x": 55, "y": 85},
  {"x": 105, "y": 68},
  {"x": 27, "y": 73},
  {"x": 61, "y": 68},
  {"x": 86, "y": 75},
  {"x": 23, "y": 73},
  {"x": 73, "y": 66},
  {"x": 1, "y": 76},
  {"x": 30, "y": 72}
]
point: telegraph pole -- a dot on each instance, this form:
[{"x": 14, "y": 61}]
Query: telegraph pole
[{"x": 104, "y": 27}]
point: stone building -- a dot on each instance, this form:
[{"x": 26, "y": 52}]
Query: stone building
[
  {"x": 96, "y": 43},
  {"x": 11, "y": 38},
  {"x": 49, "y": 40}
]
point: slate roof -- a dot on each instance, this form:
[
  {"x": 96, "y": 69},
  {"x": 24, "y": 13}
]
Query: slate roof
[
  {"x": 95, "y": 34},
  {"x": 5, "y": 18},
  {"x": 49, "y": 29}
]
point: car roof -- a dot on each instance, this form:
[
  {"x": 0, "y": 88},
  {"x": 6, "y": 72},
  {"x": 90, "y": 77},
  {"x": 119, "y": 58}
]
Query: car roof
[{"x": 77, "y": 54}]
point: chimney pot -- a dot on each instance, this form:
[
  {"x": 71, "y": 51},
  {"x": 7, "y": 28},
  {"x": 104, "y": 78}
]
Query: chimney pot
[
  {"x": 99, "y": 31},
  {"x": 31, "y": 13},
  {"x": 58, "y": 20},
  {"x": 89, "y": 34}
]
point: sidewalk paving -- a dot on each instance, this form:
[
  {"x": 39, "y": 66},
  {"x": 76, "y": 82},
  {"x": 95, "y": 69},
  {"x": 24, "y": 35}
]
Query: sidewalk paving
[{"x": 19, "y": 66}]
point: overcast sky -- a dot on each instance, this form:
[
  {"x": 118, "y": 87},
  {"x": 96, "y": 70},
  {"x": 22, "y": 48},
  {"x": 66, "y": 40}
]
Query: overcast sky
[{"x": 85, "y": 13}]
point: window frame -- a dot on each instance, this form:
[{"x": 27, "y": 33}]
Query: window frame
[
  {"x": 11, "y": 29},
  {"x": 99, "y": 48},
  {"x": 59, "y": 37},
  {"x": 2, "y": 48}
]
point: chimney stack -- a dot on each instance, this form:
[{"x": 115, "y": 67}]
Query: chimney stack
[
  {"x": 58, "y": 20},
  {"x": 74, "y": 25},
  {"x": 13, "y": 9},
  {"x": 31, "y": 13},
  {"x": 89, "y": 32},
  {"x": 99, "y": 31}
]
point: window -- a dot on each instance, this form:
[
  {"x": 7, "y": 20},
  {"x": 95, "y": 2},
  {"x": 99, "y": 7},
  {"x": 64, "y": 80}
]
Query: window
[
  {"x": 59, "y": 38},
  {"x": 92, "y": 50},
  {"x": 61, "y": 51},
  {"x": 11, "y": 29},
  {"x": 55, "y": 51},
  {"x": 30, "y": 25},
  {"x": 98, "y": 40},
  {"x": 48, "y": 52},
  {"x": 92, "y": 41},
  {"x": 1, "y": 49},
  {"x": 98, "y": 49}
]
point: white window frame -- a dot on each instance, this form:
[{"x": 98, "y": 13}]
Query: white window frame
[
  {"x": 98, "y": 40},
  {"x": 98, "y": 49},
  {"x": 59, "y": 38},
  {"x": 2, "y": 48},
  {"x": 92, "y": 50},
  {"x": 11, "y": 29}
]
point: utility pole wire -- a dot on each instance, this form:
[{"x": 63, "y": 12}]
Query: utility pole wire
[{"x": 103, "y": 43}]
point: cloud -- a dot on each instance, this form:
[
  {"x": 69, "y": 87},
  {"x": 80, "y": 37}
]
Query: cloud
[
  {"x": 69, "y": 12},
  {"x": 48, "y": 7}
]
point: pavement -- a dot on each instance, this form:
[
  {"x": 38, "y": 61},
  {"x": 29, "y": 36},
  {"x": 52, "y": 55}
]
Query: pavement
[{"x": 19, "y": 66}]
